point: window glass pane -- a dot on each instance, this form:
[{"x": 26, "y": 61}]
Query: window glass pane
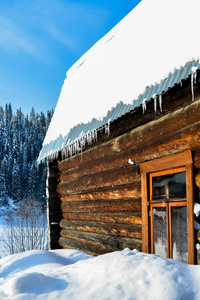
[
  {"x": 169, "y": 186},
  {"x": 160, "y": 231},
  {"x": 179, "y": 233}
]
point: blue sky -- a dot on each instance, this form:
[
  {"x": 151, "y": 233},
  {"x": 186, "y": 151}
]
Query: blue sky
[{"x": 41, "y": 39}]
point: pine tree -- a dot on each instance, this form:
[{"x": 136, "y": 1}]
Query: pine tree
[
  {"x": 3, "y": 194},
  {"x": 21, "y": 139}
]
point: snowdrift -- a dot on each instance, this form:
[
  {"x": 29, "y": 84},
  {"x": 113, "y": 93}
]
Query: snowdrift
[{"x": 71, "y": 274}]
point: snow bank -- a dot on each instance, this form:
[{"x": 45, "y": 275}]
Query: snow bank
[
  {"x": 150, "y": 42},
  {"x": 71, "y": 274}
]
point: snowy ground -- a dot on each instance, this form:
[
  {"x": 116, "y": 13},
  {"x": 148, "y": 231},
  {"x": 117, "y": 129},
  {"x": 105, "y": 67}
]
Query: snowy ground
[{"x": 71, "y": 274}]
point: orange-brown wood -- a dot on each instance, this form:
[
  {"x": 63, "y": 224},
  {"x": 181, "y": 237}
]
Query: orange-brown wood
[
  {"x": 169, "y": 162},
  {"x": 145, "y": 214},
  {"x": 125, "y": 174},
  {"x": 128, "y": 191},
  {"x": 116, "y": 229},
  {"x": 103, "y": 206},
  {"x": 190, "y": 213},
  {"x": 101, "y": 241},
  {"x": 98, "y": 180},
  {"x": 126, "y": 218}
]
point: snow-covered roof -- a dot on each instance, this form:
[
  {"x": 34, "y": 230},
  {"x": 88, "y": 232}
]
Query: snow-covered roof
[{"x": 155, "y": 46}]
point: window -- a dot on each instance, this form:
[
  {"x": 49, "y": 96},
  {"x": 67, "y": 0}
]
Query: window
[
  {"x": 168, "y": 214},
  {"x": 167, "y": 207}
]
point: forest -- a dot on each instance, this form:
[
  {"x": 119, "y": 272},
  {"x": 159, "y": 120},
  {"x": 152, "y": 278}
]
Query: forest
[{"x": 21, "y": 138}]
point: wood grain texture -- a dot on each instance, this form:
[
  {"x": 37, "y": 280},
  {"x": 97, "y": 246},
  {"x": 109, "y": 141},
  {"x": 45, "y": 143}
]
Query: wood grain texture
[
  {"x": 104, "y": 243},
  {"x": 127, "y": 218},
  {"x": 120, "y": 205},
  {"x": 99, "y": 180},
  {"x": 128, "y": 191},
  {"x": 116, "y": 229}
]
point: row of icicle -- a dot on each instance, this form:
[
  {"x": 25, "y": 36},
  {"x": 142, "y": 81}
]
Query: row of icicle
[
  {"x": 159, "y": 97},
  {"x": 91, "y": 137},
  {"x": 79, "y": 144}
]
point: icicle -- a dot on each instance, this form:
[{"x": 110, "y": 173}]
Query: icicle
[
  {"x": 155, "y": 102},
  {"x": 93, "y": 135},
  {"x": 65, "y": 152},
  {"x": 62, "y": 154},
  {"x": 82, "y": 143},
  {"x": 89, "y": 138},
  {"x": 107, "y": 128},
  {"x": 144, "y": 105},
  {"x": 160, "y": 102},
  {"x": 70, "y": 150},
  {"x": 81, "y": 149},
  {"x": 193, "y": 80}
]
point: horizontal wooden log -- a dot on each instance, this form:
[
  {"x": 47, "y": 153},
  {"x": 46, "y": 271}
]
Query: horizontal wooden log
[
  {"x": 67, "y": 189},
  {"x": 124, "y": 191},
  {"x": 170, "y": 161},
  {"x": 89, "y": 248},
  {"x": 99, "y": 180},
  {"x": 111, "y": 243},
  {"x": 187, "y": 138},
  {"x": 142, "y": 134},
  {"x": 128, "y": 173},
  {"x": 126, "y": 218},
  {"x": 103, "y": 206},
  {"x": 125, "y": 230}
]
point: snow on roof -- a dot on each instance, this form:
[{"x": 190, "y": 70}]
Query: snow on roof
[{"x": 154, "y": 39}]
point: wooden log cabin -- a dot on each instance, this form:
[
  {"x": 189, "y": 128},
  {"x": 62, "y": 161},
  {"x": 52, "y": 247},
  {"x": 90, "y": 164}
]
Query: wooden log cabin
[{"x": 133, "y": 180}]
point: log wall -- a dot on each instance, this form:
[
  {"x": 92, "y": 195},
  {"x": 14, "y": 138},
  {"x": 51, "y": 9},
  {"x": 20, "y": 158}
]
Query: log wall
[
  {"x": 100, "y": 191},
  {"x": 96, "y": 196},
  {"x": 101, "y": 211}
]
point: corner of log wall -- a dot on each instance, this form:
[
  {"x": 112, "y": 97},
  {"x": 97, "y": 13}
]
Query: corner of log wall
[{"x": 53, "y": 205}]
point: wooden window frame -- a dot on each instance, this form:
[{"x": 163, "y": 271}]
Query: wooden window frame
[{"x": 170, "y": 162}]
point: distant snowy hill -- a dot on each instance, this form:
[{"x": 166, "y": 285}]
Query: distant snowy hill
[{"x": 71, "y": 274}]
